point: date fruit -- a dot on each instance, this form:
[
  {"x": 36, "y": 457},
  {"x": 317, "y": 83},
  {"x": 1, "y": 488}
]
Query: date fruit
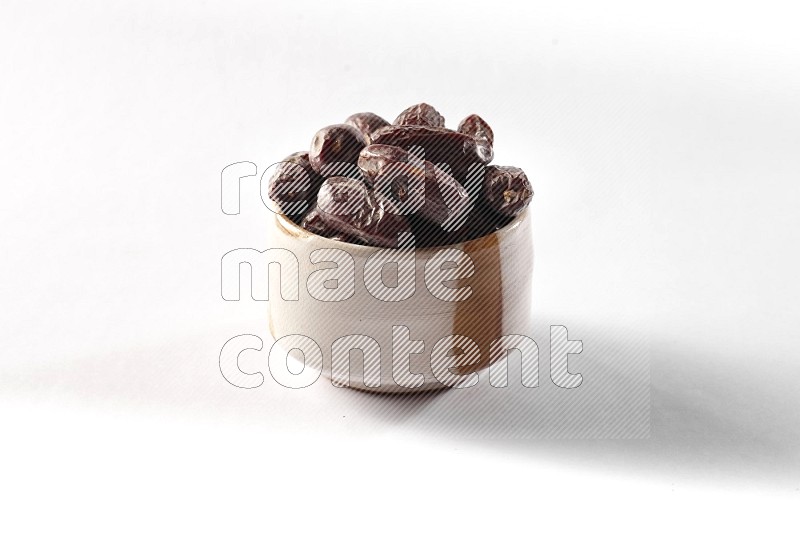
[
  {"x": 313, "y": 222},
  {"x": 294, "y": 184},
  {"x": 479, "y": 129},
  {"x": 506, "y": 189},
  {"x": 348, "y": 206},
  {"x": 366, "y": 123},
  {"x": 415, "y": 185},
  {"x": 439, "y": 145},
  {"x": 420, "y": 115},
  {"x": 334, "y": 150},
  {"x": 367, "y": 181},
  {"x": 374, "y": 159}
]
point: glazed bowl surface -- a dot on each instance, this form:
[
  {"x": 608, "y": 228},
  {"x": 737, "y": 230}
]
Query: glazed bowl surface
[{"x": 401, "y": 320}]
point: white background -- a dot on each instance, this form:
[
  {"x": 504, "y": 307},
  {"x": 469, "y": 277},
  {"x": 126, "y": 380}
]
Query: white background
[{"x": 663, "y": 145}]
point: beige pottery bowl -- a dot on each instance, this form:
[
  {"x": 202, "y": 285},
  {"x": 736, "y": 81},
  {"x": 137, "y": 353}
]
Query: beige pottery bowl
[{"x": 498, "y": 304}]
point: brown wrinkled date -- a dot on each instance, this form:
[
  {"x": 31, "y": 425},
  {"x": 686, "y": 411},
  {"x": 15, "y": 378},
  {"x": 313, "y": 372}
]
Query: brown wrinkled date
[
  {"x": 294, "y": 185},
  {"x": 439, "y": 145},
  {"x": 335, "y": 149},
  {"x": 375, "y": 159},
  {"x": 415, "y": 185},
  {"x": 478, "y": 129},
  {"x": 366, "y": 123},
  {"x": 313, "y": 222},
  {"x": 506, "y": 189},
  {"x": 420, "y": 115},
  {"x": 368, "y": 182},
  {"x": 348, "y": 206}
]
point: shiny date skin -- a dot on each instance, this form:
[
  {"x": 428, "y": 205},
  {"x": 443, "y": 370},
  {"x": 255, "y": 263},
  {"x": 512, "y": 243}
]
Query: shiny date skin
[
  {"x": 473, "y": 125},
  {"x": 294, "y": 184},
  {"x": 335, "y": 149},
  {"x": 367, "y": 123},
  {"x": 439, "y": 145},
  {"x": 479, "y": 129},
  {"x": 411, "y": 176},
  {"x": 375, "y": 159},
  {"x": 414, "y": 184},
  {"x": 420, "y": 115},
  {"x": 506, "y": 190},
  {"x": 348, "y": 206}
]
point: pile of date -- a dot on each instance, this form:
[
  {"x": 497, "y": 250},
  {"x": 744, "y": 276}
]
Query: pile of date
[{"x": 370, "y": 182}]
